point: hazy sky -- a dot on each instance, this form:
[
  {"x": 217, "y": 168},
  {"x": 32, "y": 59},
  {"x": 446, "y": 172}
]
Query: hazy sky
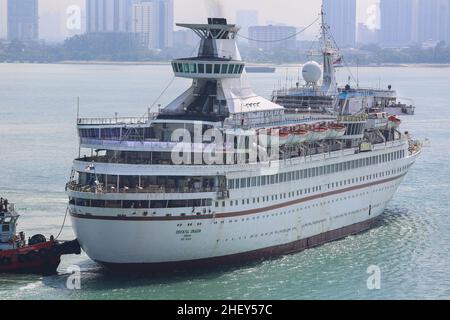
[{"x": 292, "y": 12}]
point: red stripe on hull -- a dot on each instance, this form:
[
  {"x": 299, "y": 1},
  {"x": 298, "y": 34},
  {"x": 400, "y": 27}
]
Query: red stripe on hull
[{"x": 240, "y": 258}]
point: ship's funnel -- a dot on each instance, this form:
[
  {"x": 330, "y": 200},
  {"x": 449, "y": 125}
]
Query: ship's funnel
[{"x": 217, "y": 21}]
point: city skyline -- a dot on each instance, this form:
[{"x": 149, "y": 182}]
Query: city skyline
[
  {"x": 413, "y": 21},
  {"x": 297, "y": 14}
]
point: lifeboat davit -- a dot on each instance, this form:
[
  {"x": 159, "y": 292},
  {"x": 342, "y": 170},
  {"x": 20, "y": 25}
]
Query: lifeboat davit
[
  {"x": 284, "y": 136},
  {"x": 269, "y": 137}
]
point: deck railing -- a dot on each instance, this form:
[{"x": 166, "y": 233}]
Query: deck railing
[
  {"x": 110, "y": 188},
  {"x": 117, "y": 120}
]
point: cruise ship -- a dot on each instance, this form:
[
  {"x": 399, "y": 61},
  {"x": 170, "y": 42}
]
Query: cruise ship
[{"x": 222, "y": 175}]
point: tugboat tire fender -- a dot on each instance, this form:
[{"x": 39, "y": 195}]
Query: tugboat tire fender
[{"x": 55, "y": 250}]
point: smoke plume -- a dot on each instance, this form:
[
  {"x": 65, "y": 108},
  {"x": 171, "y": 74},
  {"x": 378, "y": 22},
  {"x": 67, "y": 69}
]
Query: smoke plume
[{"x": 215, "y": 8}]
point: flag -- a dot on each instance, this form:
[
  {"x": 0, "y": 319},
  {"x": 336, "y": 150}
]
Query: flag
[{"x": 338, "y": 61}]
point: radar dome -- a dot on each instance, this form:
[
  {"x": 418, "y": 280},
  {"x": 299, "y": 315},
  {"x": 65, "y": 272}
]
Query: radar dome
[{"x": 312, "y": 72}]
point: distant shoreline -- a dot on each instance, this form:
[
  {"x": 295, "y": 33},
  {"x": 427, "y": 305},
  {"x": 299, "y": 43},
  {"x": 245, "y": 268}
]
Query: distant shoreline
[{"x": 287, "y": 65}]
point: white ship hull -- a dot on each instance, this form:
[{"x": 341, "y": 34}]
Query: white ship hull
[{"x": 269, "y": 229}]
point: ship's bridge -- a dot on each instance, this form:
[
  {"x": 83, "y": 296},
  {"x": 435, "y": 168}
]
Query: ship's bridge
[{"x": 207, "y": 68}]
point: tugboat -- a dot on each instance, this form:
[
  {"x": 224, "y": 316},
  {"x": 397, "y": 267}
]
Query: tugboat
[{"x": 37, "y": 255}]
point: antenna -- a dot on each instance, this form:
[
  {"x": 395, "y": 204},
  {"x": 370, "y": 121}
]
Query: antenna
[
  {"x": 78, "y": 108},
  {"x": 357, "y": 72}
]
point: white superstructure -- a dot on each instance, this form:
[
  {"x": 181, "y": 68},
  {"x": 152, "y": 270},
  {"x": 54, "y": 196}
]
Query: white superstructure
[{"x": 221, "y": 174}]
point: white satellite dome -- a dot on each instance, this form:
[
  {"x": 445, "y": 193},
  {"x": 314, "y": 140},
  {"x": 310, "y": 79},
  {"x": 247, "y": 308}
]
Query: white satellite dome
[{"x": 312, "y": 72}]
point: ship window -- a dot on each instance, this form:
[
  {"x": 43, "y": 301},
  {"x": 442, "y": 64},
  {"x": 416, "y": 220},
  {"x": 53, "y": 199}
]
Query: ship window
[
  {"x": 113, "y": 204},
  {"x": 192, "y": 68},
  {"x": 243, "y": 180},
  {"x": 186, "y": 67},
  {"x": 201, "y": 68},
  {"x": 217, "y": 68},
  {"x": 237, "y": 68},
  {"x": 98, "y": 203},
  {"x": 174, "y": 67},
  {"x": 224, "y": 68},
  {"x": 231, "y": 68},
  {"x": 158, "y": 204},
  {"x": 209, "y": 68}
]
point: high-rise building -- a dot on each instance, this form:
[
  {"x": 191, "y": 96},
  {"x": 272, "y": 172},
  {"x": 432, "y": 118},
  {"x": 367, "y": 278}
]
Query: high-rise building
[
  {"x": 109, "y": 15},
  {"x": 340, "y": 15},
  {"x": 143, "y": 23},
  {"x": 246, "y": 19},
  {"x": 23, "y": 20},
  {"x": 266, "y": 37},
  {"x": 153, "y": 23},
  {"x": 398, "y": 22},
  {"x": 3, "y": 19},
  {"x": 433, "y": 20},
  {"x": 165, "y": 23}
]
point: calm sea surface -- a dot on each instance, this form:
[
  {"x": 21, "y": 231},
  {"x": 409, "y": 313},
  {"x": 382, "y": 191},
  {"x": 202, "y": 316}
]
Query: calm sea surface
[{"x": 411, "y": 244}]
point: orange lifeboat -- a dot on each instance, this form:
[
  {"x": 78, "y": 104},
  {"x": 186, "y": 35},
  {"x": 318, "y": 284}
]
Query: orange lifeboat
[
  {"x": 320, "y": 132},
  {"x": 300, "y": 134},
  {"x": 337, "y": 130},
  {"x": 393, "y": 122}
]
